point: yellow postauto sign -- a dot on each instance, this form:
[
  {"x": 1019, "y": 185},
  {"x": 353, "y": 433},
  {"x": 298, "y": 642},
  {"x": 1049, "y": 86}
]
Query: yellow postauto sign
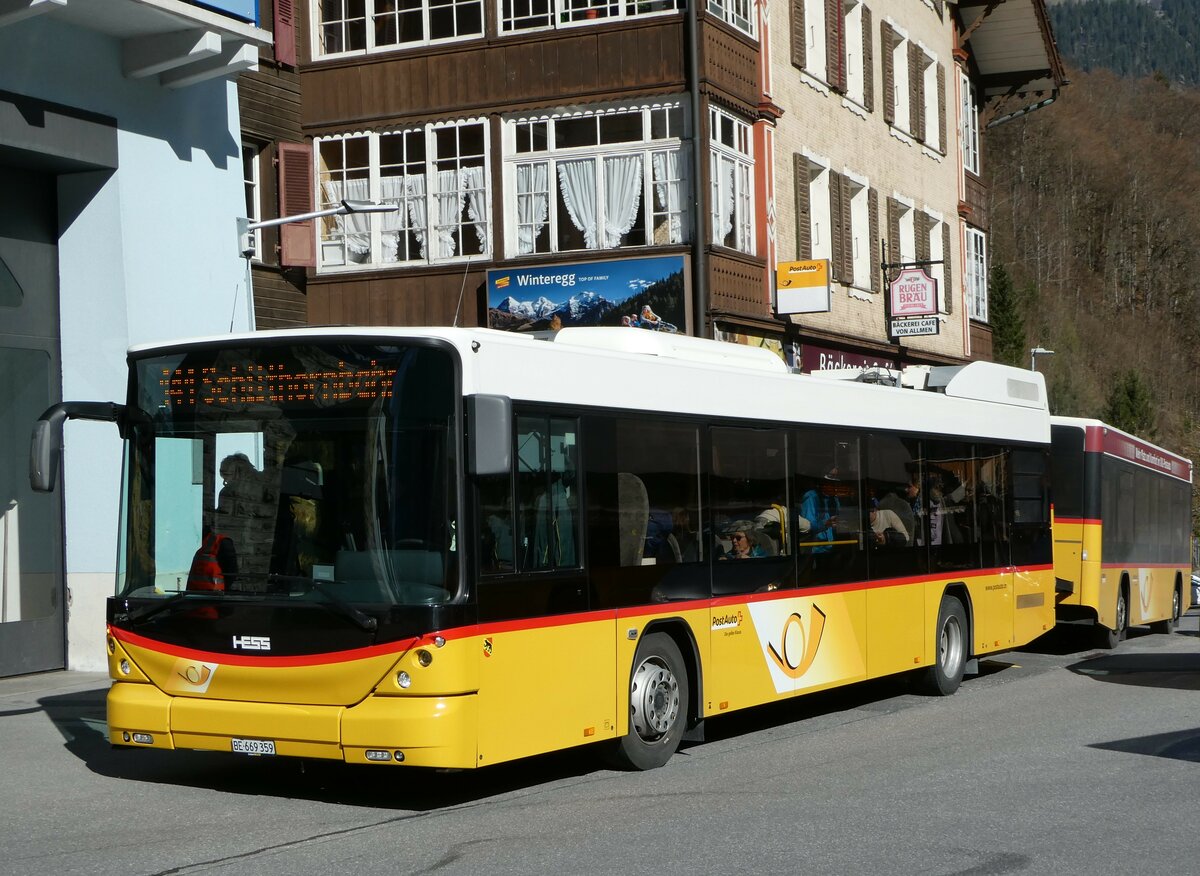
[{"x": 802, "y": 287}]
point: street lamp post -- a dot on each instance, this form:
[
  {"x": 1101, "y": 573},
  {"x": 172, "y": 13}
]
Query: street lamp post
[
  {"x": 246, "y": 229},
  {"x": 245, "y": 226},
  {"x": 1034, "y": 353}
]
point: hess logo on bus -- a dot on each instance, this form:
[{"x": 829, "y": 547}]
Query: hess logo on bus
[{"x": 252, "y": 643}]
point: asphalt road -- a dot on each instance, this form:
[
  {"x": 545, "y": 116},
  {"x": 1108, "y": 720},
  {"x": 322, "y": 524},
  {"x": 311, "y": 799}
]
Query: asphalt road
[{"x": 1054, "y": 759}]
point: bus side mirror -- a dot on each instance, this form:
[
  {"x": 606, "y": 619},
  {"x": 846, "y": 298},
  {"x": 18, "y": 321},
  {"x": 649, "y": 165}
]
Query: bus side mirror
[
  {"x": 489, "y": 442},
  {"x": 45, "y": 446}
]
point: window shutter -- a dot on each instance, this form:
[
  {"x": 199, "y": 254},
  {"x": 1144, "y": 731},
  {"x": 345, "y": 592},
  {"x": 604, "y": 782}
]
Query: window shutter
[
  {"x": 868, "y": 62},
  {"x": 873, "y": 220},
  {"x": 941, "y": 82},
  {"x": 893, "y": 229},
  {"x": 887, "y": 42},
  {"x": 924, "y": 227},
  {"x": 916, "y": 92},
  {"x": 947, "y": 272},
  {"x": 835, "y": 45},
  {"x": 847, "y": 232},
  {"x": 837, "y": 234},
  {"x": 297, "y": 240},
  {"x": 285, "y": 32},
  {"x": 803, "y": 212},
  {"x": 799, "y": 43}
]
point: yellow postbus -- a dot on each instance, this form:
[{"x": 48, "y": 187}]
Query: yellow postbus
[
  {"x": 1122, "y": 529},
  {"x": 457, "y": 547}
]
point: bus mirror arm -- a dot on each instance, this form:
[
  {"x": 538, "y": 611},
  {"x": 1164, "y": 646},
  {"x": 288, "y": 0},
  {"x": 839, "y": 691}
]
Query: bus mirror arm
[{"x": 45, "y": 449}]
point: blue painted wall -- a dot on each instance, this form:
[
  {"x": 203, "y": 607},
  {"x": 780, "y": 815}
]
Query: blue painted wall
[{"x": 147, "y": 253}]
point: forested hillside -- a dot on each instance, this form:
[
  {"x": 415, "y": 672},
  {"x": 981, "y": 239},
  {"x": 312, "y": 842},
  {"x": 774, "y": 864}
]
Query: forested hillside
[
  {"x": 1096, "y": 249},
  {"x": 1131, "y": 37}
]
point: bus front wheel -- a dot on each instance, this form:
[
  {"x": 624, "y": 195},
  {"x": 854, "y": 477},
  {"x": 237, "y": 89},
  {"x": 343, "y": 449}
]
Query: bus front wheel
[
  {"x": 950, "y": 645},
  {"x": 658, "y": 705},
  {"x": 1109, "y": 639}
]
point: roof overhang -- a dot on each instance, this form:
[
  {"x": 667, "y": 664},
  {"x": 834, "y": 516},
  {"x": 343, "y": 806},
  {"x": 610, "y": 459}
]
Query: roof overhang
[
  {"x": 179, "y": 42},
  {"x": 1013, "y": 48}
]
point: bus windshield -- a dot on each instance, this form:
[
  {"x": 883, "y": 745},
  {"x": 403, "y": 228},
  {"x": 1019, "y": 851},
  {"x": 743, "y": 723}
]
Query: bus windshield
[{"x": 279, "y": 469}]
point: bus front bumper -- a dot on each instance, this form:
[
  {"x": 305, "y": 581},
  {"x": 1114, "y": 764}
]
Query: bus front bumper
[{"x": 413, "y": 731}]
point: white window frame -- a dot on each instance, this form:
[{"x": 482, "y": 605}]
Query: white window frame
[
  {"x": 933, "y": 136},
  {"x": 373, "y": 8},
  {"x": 252, "y": 184},
  {"x": 908, "y": 230},
  {"x": 555, "y": 14},
  {"x": 969, "y": 124},
  {"x": 860, "y": 231},
  {"x": 737, "y": 156},
  {"x": 855, "y": 68},
  {"x": 815, "y": 52},
  {"x": 369, "y": 228},
  {"x": 820, "y": 219},
  {"x": 936, "y": 271},
  {"x": 975, "y": 277},
  {"x": 668, "y": 116},
  {"x": 739, "y": 14},
  {"x": 902, "y": 112}
]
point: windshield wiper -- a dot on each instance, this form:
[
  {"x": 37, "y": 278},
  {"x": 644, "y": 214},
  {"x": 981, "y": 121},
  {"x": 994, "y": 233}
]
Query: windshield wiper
[
  {"x": 332, "y": 600},
  {"x": 140, "y": 614}
]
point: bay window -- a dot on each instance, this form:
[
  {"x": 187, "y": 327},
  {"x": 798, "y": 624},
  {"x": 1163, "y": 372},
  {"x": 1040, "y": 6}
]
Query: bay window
[
  {"x": 522, "y": 15},
  {"x": 731, "y": 159},
  {"x": 436, "y": 175},
  {"x": 595, "y": 179},
  {"x": 347, "y": 27}
]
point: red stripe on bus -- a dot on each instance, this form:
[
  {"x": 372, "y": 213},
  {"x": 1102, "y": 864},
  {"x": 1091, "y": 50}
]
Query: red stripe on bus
[
  {"x": 1094, "y": 521},
  {"x": 398, "y": 648},
  {"x": 561, "y": 620}
]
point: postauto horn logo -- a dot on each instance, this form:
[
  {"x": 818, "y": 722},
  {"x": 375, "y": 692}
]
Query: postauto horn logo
[{"x": 726, "y": 621}]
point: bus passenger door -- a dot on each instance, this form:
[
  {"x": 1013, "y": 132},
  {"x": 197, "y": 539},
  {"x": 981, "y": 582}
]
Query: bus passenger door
[{"x": 546, "y": 662}]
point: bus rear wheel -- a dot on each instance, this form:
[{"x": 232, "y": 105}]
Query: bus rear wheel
[
  {"x": 658, "y": 705},
  {"x": 950, "y": 644},
  {"x": 1109, "y": 639},
  {"x": 1167, "y": 626}
]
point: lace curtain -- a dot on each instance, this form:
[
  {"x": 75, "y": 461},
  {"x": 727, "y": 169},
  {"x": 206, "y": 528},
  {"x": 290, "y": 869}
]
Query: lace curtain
[
  {"x": 454, "y": 189},
  {"x": 475, "y": 185},
  {"x": 622, "y": 196},
  {"x": 354, "y": 228},
  {"x": 391, "y": 190},
  {"x": 533, "y": 203},
  {"x": 723, "y": 215},
  {"x": 667, "y": 185},
  {"x": 577, "y": 182}
]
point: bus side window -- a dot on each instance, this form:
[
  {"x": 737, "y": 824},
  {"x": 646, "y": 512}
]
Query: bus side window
[{"x": 495, "y": 524}]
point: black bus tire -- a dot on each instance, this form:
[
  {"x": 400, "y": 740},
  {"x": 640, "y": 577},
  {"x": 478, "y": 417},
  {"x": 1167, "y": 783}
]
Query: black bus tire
[
  {"x": 1109, "y": 639},
  {"x": 950, "y": 649},
  {"x": 658, "y": 705}
]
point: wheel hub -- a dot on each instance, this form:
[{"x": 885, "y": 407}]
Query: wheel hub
[{"x": 654, "y": 699}]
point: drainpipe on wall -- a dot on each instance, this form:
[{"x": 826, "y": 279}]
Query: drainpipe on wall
[{"x": 699, "y": 217}]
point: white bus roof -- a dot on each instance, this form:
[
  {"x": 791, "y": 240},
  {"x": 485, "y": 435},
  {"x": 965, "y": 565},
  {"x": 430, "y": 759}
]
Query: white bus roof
[{"x": 643, "y": 370}]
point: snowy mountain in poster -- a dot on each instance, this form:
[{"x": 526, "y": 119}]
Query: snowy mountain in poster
[{"x": 576, "y": 310}]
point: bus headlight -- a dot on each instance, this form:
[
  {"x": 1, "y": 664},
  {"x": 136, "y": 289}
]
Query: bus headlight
[
  {"x": 124, "y": 667},
  {"x": 403, "y": 679},
  {"x": 424, "y": 657}
]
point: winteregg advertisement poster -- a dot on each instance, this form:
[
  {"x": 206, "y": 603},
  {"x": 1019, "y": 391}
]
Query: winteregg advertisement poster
[{"x": 638, "y": 293}]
